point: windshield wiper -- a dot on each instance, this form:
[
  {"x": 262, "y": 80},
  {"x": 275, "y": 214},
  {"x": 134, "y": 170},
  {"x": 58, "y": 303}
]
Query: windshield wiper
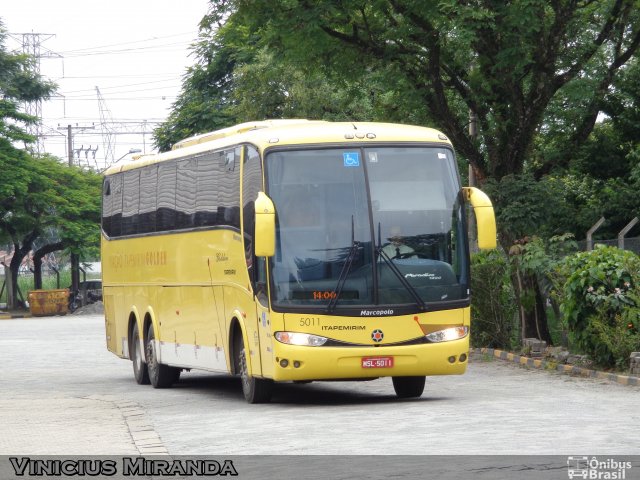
[
  {"x": 416, "y": 296},
  {"x": 346, "y": 268}
]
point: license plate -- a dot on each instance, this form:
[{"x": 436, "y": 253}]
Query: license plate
[{"x": 377, "y": 362}]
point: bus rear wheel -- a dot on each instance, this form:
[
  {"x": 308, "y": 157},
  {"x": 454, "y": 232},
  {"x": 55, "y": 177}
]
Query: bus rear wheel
[
  {"x": 140, "y": 372},
  {"x": 255, "y": 390},
  {"x": 408, "y": 387},
  {"x": 161, "y": 376}
]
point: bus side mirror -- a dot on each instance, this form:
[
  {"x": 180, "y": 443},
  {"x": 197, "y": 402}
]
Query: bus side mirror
[
  {"x": 485, "y": 218},
  {"x": 265, "y": 240}
]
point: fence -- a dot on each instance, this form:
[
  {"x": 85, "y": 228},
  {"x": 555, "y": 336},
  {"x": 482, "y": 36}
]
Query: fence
[
  {"x": 52, "y": 278},
  {"x": 631, "y": 244}
]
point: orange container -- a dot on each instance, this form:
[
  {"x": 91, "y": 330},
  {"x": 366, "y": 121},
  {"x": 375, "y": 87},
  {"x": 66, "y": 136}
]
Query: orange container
[{"x": 49, "y": 302}]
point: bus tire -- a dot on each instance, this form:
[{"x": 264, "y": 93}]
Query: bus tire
[
  {"x": 408, "y": 387},
  {"x": 140, "y": 372},
  {"x": 161, "y": 376},
  {"x": 255, "y": 390}
]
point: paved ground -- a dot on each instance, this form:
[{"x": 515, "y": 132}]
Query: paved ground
[{"x": 63, "y": 393}]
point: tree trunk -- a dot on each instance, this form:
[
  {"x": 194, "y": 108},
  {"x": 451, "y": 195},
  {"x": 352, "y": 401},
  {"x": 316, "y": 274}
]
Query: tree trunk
[
  {"x": 12, "y": 283},
  {"x": 19, "y": 252},
  {"x": 534, "y": 321},
  {"x": 11, "y": 292},
  {"x": 38, "y": 255}
]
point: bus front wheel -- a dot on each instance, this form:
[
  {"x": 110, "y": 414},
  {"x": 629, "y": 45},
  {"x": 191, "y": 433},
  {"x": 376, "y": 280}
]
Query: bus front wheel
[
  {"x": 408, "y": 387},
  {"x": 255, "y": 390},
  {"x": 161, "y": 376},
  {"x": 140, "y": 372}
]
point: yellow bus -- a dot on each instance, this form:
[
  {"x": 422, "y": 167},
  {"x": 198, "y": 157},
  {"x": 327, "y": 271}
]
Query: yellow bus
[{"x": 292, "y": 250}]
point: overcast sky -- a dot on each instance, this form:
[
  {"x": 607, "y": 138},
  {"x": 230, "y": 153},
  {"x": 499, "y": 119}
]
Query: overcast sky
[{"x": 134, "y": 51}]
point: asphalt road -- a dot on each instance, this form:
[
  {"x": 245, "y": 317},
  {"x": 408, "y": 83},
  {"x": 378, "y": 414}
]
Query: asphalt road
[{"x": 63, "y": 393}]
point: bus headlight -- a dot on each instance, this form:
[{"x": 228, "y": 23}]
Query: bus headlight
[
  {"x": 448, "y": 334},
  {"x": 296, "y": 338}
]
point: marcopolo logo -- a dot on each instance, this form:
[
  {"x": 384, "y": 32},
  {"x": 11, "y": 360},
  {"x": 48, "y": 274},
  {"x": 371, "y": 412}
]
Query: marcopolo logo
[
  {"x": 597, "y": 468},
  {"x": 375, "y": 313}
]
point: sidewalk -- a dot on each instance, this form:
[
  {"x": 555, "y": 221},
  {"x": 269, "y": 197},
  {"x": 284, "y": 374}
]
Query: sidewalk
[{"x": 559, "y": 367}]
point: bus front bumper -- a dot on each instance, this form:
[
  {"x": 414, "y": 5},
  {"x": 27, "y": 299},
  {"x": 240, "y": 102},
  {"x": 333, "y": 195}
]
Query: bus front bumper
[{"x": 340, "y": 363}]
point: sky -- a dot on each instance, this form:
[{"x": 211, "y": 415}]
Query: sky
[{"x": 135, "y": 51}]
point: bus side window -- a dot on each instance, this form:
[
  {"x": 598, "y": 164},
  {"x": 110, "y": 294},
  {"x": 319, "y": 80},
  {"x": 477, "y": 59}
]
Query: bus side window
[
  {"x": 148, "y": 208},
  {"x": 207, "y": 187},
  {"x": 107, "y": 206},
  {"x": 229, "y": 191},
  {"x": 186, "y": 194},
  {"x": 166, "y": 197},
  {"x": 130, "y": 202}
]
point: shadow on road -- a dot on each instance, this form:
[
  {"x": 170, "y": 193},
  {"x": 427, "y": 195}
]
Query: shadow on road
[{"x": 316, "y": 393}]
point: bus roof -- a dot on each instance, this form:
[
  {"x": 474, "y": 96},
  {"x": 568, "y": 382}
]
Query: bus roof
[{"x": 269, "y": 133}]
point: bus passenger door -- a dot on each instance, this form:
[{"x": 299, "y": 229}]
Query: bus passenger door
[
  {"x": 252, "y": 185},
  {"x": 264, "y": 322}
]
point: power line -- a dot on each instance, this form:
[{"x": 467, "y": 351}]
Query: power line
[
  {"x": 128, "y": 50},
  {"x": 127, "y": 43},
  {"x": 128, "y": 85}
]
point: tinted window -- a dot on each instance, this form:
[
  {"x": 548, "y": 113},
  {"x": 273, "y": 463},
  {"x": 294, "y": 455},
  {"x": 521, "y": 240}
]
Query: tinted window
[
  {"x": 130, "y": 202},
  {"x": 229, "y": 192},
  {"x": 166, "y": 197},
  {"x": 196, "y": 192},
  {"x": 107, "y": 206},
  {"x": 112, "y": 205},
  {"x": 186, "y": 193},
  {"x": 148, "y": 208},
  {"x": 207, "y": 188}
]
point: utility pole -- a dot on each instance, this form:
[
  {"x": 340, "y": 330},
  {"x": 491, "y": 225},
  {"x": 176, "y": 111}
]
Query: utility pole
[
  {"x": 69, "y": 129},
  {"x": 75, "y": 258},
  {"x": 473, "y": 135}
]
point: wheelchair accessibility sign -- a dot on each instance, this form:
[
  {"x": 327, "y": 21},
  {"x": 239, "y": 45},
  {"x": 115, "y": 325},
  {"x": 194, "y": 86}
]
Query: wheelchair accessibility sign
[{"x": 351, "y": 159}]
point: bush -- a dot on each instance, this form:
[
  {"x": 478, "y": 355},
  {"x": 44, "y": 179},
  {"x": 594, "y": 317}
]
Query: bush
[
  {"x": 600, "y": 301},
  {"x": 493, "y": 302}
]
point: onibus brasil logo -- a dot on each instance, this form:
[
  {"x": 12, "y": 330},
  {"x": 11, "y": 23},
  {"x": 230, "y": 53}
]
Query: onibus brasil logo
[{"x": 597, "y": 468}]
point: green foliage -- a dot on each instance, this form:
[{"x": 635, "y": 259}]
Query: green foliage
[
  {"x": 43, "y": 193},
  {"x": 525, "y": 206},
  {"x": 505, "y": 61},
  {"x": 493, "y": 307},
  {"x": 619, "y": 335},
  {"x": 533, "y": 261},
  {"x": 600, "y": 297},
  {"x": 238, "y": 79}
]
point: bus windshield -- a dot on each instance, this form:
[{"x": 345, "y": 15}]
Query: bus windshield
[{"x": 367, "y": 227}]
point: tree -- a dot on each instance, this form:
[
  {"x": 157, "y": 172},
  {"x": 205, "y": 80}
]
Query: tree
[
  {"x": 18, "y": 83},
  {"x": 203, "y": 104},
  {"x": 534, "y": 73},
  {"x": 504, "y": 61},
  {"x": 43, "y": 195},
  {"x": 239, "y": 79}
]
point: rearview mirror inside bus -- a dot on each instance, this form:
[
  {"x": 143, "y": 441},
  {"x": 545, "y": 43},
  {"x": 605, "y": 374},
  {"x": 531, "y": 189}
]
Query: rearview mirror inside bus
[
  {"x": 485, "y": 217},
  {"x": 265, "y": 241}
]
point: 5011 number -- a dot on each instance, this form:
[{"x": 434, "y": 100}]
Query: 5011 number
[{"x": 310, "y": 322}]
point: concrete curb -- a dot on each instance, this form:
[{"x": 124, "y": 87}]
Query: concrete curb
[
  {"x": 565, "y": 369},
  {"x": 10, "y": 316},
  {"x": 142, "y": 432}
]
